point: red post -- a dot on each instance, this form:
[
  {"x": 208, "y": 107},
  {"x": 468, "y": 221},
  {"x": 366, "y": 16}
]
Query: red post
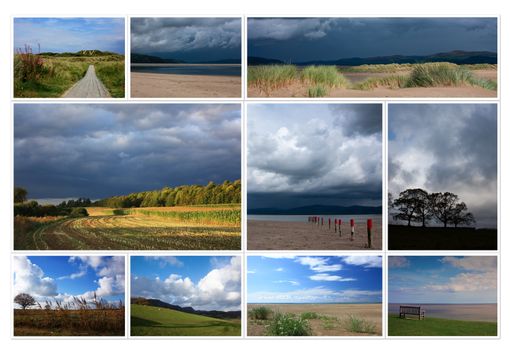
[
  {"x": 322, "y": 221},
  {"x": 329, "y": 224},
  {"x": 340, "y": 227},
  {"x": 336, "y": 222},
  {"x": 369, "y": 233},
  {"x": 352, "y": 229}
]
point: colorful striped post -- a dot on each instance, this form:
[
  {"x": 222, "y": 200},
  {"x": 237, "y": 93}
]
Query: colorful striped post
[
  {"x": 369, "y": 232},
  {"x": 352, "y": 229}
]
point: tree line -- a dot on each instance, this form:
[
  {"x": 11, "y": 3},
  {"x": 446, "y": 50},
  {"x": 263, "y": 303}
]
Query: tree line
[
  {"x": 225, "y": 193},
  {"x": 228, "y": 192},
  {"x": 418, "y": 206}
]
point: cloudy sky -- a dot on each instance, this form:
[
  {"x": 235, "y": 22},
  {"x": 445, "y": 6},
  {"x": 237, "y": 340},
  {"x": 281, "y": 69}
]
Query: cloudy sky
[
  {"x": 62, "y": 277},
  {"x": 314, "y": 279},
  {"x": 446, "y": 147},
  {"x": 442, "y": 280},
  {"x": 101, "y": 150},
  {"x": 188, "y": 39},
  {"x": 70, "y": 34},
  {"x": 309, "y": 154},
  {"x": 304, "y": 39},
  {"x": 202, "y": 282}
]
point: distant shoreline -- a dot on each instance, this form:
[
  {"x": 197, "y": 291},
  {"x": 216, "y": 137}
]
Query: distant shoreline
[{"x": 185, "y": 64}]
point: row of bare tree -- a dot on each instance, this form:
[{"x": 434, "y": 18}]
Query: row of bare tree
[{"x": 417, "y": 205}]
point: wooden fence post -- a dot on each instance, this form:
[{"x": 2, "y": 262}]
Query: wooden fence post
[
  {"x": 352, "y": 229},
  {"x": 369, "y": 232}
]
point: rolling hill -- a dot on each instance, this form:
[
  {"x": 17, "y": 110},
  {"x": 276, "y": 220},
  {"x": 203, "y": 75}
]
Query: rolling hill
[{"x": 159, "y": 321}]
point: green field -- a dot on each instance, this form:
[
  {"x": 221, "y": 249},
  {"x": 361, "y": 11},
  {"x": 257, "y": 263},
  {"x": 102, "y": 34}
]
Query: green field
[
  {"x": 51, "y": 76},
  {"x": 439, "y": 327},
  {"x": 173, "y": 228},
  {"x": 155, "y": 321}
]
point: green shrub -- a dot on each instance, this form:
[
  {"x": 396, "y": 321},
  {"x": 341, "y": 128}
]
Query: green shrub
[
  {"x": 78, "y": 212},
  {"x": 260, "y": 313},
  {"x": 270, "y": 77},
  {"x": 288, "y": 325}
]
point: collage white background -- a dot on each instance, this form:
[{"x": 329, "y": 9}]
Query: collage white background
[{"x": 243, "y": 8}]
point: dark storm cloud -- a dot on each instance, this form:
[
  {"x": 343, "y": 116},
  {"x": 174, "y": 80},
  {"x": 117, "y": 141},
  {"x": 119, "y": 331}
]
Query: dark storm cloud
[
  {"x": 314, "y": 154},
  {"x": 302, "y": 39},
  {"x": 99, "y": 150},
  {"x": 442, "y": 147},
  {"x": 187, "y": 37}
]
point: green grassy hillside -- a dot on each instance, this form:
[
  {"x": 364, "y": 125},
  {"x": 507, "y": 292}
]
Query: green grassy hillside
[
  {"x": 154, "y": 321},
  {"x": 439, "y": 327}
]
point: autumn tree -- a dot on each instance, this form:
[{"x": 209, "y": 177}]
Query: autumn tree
[{"x": 24, "y": 300}]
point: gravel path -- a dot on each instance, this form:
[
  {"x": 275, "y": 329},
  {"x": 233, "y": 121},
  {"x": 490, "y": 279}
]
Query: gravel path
[{"x": 89, "y": 86}]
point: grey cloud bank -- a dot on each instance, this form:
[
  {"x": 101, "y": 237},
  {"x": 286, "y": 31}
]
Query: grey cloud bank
[{"x": 100, "y": 150}]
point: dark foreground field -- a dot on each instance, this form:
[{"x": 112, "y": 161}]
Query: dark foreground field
[
  {"x": 156, "y": 321},
  {"x": 439, "y": 327},
  {"x": 90, "y": 322},
  {"x": 439, "y": 238}
]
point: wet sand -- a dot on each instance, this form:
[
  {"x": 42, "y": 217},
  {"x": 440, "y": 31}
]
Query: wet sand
[
  {"x": 281, "y": 235},
  {"x": 368, "y": 312},
  {"x": 180, "y": 85}
]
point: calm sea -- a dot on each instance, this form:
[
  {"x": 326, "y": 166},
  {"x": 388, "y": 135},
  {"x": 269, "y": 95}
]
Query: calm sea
[
  {"x": 468, "y": 312},
  {"x": 223, "y": 70},
  {"x": 304, "y": 218}
]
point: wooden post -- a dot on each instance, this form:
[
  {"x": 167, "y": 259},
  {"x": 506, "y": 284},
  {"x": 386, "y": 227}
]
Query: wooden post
[
  {"x": 352, "y": 229},
  {"x": 369, "y": 232},
  {"x": 336, "y": 221},
  {"x": 340, "y": 227},
  {"x": 322, "y": 221},
  {"x": 329, "y": 224}
]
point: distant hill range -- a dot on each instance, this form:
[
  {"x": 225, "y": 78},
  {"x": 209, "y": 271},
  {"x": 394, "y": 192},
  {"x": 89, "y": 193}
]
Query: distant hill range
[
  {"x": 81, "y": 53},
  {"x": 457, "y": 57},
  {"x": 158, "y": 303},
  {"x": 141, "y": 58},
  {"x": 318, "y": 210}
]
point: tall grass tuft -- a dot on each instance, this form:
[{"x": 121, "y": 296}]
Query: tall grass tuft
[
  {"x": 317, "y": 91},
  {"x": 260, "y": 313},
  {"x": 270, "y": 77},
  {"x": 284, "y": 324},
  {"x": 439, "y": 74},
  {"x": 392, "y": 82},
  {"x": 323, "y": 75},
  {"x": 27, "y": 65},
  {"x": 358, "y": 325}
]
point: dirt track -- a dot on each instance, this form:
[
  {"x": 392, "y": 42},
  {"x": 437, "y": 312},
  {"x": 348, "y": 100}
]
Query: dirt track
[{"x": 88, "y": 87}]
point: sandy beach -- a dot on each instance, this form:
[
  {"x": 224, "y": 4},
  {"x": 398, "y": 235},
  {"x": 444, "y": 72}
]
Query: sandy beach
[
  {"x": 368, "y": 312},
  {"x": 180, "y": 85},
  {"x": 299, "y": 90},
  {"x": 282, "y": 235}
]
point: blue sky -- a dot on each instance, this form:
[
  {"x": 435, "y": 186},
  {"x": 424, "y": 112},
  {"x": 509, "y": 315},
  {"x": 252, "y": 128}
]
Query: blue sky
[
  {"x": 62, "y": 277},
  {"x": 70, "y": 34},
  {"x": 314, "y": 279},
  {"x": 442, "y": 280},
  {"x": 202, "y": 282}
]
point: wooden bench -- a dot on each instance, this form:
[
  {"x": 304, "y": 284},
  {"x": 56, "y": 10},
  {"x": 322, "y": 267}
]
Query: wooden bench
[{"x": 412, "y": 310}]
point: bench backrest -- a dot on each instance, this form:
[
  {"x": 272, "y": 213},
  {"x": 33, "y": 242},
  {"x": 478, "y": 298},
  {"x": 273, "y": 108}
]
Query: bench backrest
[{"x": 413, "y": 310}]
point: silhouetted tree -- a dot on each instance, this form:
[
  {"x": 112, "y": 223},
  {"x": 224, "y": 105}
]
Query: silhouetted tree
[
  {"x": 424, "y": 209},
  {"x": 443, "y": 206},
  {"x": 20, "y": 195},
  {"x": 460, "y": 216},
  {"x": 390, "y": 200},
  {"x": 24, "y": 300},
  {"x": 408, "y": 204}
]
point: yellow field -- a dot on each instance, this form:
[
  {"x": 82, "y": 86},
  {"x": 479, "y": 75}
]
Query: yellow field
[{"x": 173, "y": 228}]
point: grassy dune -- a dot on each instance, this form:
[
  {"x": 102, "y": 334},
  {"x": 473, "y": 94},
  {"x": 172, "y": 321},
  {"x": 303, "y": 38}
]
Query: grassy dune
[
  {"x": 49, "y": 76},
  {"x": 179, "y": 228},
  {"x": 318, "y": 80},
  {"x": 439, "y": 327},
  {"x": 154, "y": 321}
]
